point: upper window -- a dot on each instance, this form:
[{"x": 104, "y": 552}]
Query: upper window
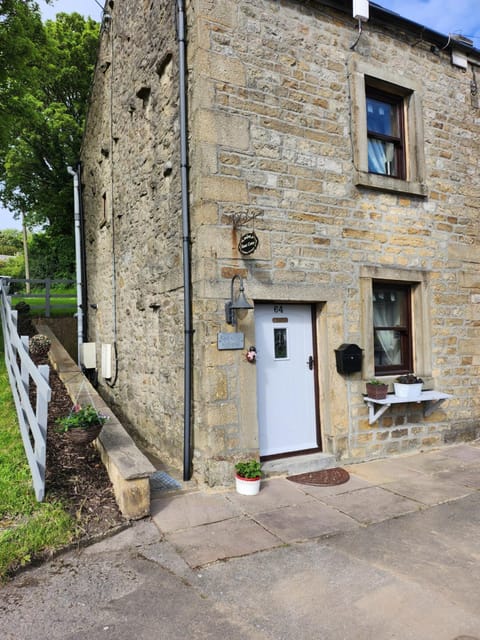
[
  {"x": 385, "y": 133},
  {"x": 387, "y": 130},
  {"x": 392, "y": 332}
]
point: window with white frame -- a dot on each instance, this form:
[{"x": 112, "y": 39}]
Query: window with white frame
[{"x": 387, "y": 130}]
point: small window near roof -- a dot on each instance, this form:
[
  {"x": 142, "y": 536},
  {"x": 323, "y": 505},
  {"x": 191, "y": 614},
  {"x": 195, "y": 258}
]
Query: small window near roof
[
  {"x": 387, "y": 129},
  {"x": 385, "y": 133}
]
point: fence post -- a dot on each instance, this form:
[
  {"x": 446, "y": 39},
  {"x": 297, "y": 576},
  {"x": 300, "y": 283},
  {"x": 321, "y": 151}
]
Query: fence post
[
  {"x": 25, "y": 376},
  {"x": 42, "y": 421},
  {"x": 47, "y": 297}
]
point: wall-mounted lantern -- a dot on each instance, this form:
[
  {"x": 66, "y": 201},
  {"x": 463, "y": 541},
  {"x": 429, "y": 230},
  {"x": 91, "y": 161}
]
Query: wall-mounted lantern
[{"x": 232, "y": 306}]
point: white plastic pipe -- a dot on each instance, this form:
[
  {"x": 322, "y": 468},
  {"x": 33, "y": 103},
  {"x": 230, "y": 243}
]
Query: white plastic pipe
[{"x": 78, "y": 260}]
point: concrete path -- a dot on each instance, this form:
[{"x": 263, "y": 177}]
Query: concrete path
[{"x": 393, "y": 553}]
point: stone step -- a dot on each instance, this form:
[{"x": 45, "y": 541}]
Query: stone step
[{"x": 299, "y": 464}]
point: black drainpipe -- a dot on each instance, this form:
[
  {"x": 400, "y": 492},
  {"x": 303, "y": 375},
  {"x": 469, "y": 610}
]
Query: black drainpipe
[{"x": 187, "y": 305}]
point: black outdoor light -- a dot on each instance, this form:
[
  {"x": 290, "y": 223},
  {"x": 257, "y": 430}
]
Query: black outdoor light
[{"x": 232, "y": 306}]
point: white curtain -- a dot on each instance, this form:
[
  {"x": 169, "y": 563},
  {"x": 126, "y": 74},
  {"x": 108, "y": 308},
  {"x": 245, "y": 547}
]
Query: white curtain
[
  {"x": 380, "y": 156},
  {"x": 386, "y": 313}
]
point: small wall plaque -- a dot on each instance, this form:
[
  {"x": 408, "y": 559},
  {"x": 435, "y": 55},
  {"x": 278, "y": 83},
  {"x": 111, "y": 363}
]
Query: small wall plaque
[
  {"x": 248, "y": 243},
  {"x": 230, "y": 341}
]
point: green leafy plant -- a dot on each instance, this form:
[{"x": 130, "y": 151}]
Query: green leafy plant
[
  {"x": 81, "y": 418},
  {"x": 376, "y": 382},
  {"x": 248, "y": 469},
  {"x": 409, "y": 378}
]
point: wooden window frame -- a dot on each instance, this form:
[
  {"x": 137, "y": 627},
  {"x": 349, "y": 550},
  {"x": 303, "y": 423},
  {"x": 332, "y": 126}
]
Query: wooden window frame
[
  {"x": 406, "y": 342},
  {"x": 398, "y": 141},
  {"x": 421, "y": 329},
  {"x": 363, "y": 76}
]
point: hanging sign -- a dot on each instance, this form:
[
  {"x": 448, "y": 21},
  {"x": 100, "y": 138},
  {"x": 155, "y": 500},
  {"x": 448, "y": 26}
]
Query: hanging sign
[{"x": 248, "y": 243}]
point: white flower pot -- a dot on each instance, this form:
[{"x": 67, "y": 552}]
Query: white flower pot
[
  {"x": 408, "y": 391},
  {"x": 247, "y": 486}
]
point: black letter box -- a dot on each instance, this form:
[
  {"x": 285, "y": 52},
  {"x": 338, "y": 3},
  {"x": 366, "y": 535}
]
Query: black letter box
[{"x": 349, "y": 358}]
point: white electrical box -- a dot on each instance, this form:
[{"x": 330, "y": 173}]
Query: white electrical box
[
  {"x": 459, "y": 60},
  {"x": 88, "y": 356},
  {"x": 106, "y": 371},
  {"x": 361, "y": 10}
]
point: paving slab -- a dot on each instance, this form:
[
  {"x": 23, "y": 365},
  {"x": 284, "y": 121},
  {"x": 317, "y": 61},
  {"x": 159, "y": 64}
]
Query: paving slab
[
  {"x": 176, "y": 512},
  {"x": 373, "y": 504},
  {"x": 430, "y": 463},
  {"x": 315, "y": 590},
  {"x": 381, "y": 471},
  {"x": 437, "y": 547},
  {"x": 304, "y": 521},
  {"x": 228, "y": 539},
  {"x": 467, "y": 476},
  {"x": 274, "y": 494},
  {"x": 429, "y": 490},
  {"x": 463, "y": 452}
]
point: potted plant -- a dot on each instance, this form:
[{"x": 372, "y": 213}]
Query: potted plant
[
  {"x": 39, "y": 345},
  {"x": 376, "y": 389},
  {"x": 83, "y": 424},
  {"x": 408, "y": 386},
  {"x": 247, "y": 477}
]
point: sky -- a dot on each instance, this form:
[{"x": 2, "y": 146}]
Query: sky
[
  {"x": 84, "y": 7},
  {"x": 444, "y": 16}
]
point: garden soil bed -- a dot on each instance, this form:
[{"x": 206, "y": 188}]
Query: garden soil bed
[{"x": 75, "y": 474}]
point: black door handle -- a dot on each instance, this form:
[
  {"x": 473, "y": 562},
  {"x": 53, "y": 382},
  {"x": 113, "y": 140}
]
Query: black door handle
[{"x": 310, "y": 362}]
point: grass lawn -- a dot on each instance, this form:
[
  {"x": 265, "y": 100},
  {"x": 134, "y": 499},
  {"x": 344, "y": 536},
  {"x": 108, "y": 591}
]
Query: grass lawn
[
  {"x": 63, "y": 305},
  {"x": 27, "y": 527}
]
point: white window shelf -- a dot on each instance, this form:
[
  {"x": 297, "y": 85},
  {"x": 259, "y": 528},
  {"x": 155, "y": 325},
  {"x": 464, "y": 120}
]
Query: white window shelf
[{"x": 376, "y": 408}]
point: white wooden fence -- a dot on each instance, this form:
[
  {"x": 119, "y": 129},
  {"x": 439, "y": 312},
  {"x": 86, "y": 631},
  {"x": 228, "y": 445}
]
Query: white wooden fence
[{"x": 21, "y": 372}]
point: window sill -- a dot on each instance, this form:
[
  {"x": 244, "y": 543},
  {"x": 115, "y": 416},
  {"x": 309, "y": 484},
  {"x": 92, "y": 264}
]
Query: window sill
[
  {"x": 385, "y": 183},
  {"x": 433, "y": 399}
]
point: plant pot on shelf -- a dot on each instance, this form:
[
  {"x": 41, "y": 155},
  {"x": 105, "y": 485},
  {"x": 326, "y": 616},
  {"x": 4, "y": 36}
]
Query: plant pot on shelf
[
  {"x": 377, "y": 391},
  {"x": 408, "y": 387},
  {"x": 408, "y": 391}
]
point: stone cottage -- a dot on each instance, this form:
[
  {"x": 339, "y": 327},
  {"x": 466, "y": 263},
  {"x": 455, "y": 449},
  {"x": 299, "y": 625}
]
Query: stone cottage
[{"x": 281, "y": 202}]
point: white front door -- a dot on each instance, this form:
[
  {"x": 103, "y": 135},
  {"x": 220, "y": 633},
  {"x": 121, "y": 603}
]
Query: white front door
[{"x": 286, "y": 400}]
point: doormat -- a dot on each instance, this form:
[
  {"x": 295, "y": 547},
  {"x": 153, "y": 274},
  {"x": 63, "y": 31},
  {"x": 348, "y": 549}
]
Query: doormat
[
  {"x": 161, "y": 481},
  {"x": 323, "y": 478}
]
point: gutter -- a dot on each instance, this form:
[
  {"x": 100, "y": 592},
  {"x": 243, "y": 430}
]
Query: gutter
[
  {"x": 385, "y": 16},
  {"x": 187, "y": 304}
]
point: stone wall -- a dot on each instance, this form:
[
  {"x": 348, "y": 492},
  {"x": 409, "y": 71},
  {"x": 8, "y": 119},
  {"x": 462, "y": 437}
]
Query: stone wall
[
  {"x": 133, "y": 221},
  {"x": 271, "y": 135},
  {"x": 272, "y": 120}
]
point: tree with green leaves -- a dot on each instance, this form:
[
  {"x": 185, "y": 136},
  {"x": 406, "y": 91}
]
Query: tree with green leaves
[
  {"x": 44, "y": 94},
  {"x": 11, "y": 242},
  {"x": 22, "y": 38}
]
